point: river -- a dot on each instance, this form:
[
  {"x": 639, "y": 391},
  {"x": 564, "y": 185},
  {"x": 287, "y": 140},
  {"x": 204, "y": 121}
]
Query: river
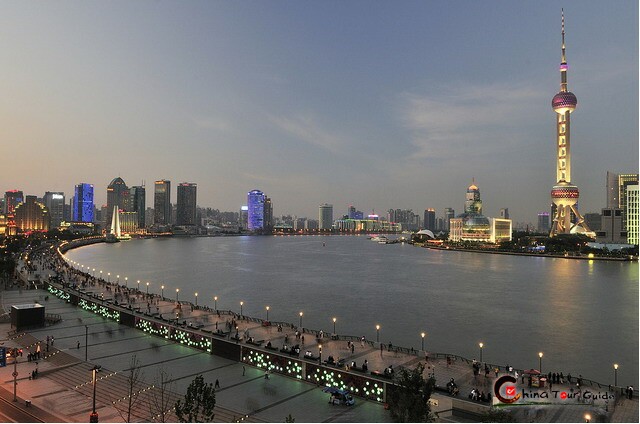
[{"x": 583, "y": 315}]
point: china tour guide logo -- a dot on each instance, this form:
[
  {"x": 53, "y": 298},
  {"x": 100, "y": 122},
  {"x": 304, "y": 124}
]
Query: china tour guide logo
[{"x": 511, "y": 394}]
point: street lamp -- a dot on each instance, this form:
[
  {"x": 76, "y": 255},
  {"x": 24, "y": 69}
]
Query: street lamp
[
  {"x": 94, "y": 273},
  {"x": 377, "y": 332},
  {"x": 267, "y": 308},
  {"x": 241, "y": 305},
  {"x": 177, "y": 292},
  {"x": 422, "y": 335},
  {"x": 615, "y": 375},
  {"x": 587, "y": 418},
  {"x": 334, "y": 325},
  {"x": 540, "y": 355},
  {"x": 15, "y": 374},
  {"x": 215, "y": 302},
  {"x": 147, "y": 288},
  {"x": 301, "y": 319},
  {"x": 138, "y": 285},
  {"x": 126, "y": 282},
  {"x": 196, "y": 298},
  {"x": 93, "y": 418},
  {"x": 162, "y": 291},
  {"x": 118, "y": 277},
  {"x": 86, "y": 343},
  {"x": 481, "y": 346},
  {"x": 320, "y": 354},
  {"x": 108, "y": 277},
  {"x": 101, "y": 274}
]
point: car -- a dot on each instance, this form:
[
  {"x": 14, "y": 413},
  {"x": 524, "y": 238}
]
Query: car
[{"x": 339, "y": 396}]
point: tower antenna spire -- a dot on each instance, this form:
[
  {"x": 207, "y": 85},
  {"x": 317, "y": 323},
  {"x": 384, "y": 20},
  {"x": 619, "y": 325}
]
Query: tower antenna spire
[{"x": 563, "y": 63}]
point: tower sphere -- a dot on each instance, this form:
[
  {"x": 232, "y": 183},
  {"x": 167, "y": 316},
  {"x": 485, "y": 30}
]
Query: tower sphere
[
  {"x": 565, "y": 194},
  {"x": 564, "y": 101}
]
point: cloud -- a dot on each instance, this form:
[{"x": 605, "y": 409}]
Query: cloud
[
  {"x": 305, "y": 128},
  {"x": 445, "y": 124}
]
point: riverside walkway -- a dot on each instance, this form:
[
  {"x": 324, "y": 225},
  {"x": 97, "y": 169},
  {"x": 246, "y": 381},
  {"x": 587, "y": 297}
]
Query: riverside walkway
[{"x": 244, "y": 393}]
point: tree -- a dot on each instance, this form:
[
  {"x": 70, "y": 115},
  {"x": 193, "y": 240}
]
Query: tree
[
  {"x": 408, "y": 399},
  {"x": 198, "y": 402},
  {"x": 159, "y": 406},
  {"x": 133, "y": 379}
]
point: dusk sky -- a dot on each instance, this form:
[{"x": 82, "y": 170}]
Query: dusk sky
[{"x": 376, "y": 104}]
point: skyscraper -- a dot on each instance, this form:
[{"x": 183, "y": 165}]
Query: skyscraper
[
  {"x": 504, "y": 213},
  {"x": 565, "y": 194},
  {"x": 633, "y": 214},
  {"x": 624, "y": 181},
  {"x": 117, "y": 196},
  {"x": 325, "y": 217},
  {"x": 83, "y": 203},
  {"x": 430, "y": 219},
  {"x": 612, "y": 190},
  {"x": 448, "y": 214},
  {"x": 186, "y": 207},
  {"x": 138, "y": 203},
  {"x": 255, "y": 216},
  {"x": 268, "y": 215},
  {"x": 31, "y": 215},
  {"x": 162, "y": 202},
  {"x": 54, "y": 201},
  {"x": 12, "y": 198},
  {"x": 543, "y": 222}
]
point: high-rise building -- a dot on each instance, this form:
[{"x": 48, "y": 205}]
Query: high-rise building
[
  {"x": 633, "y": 214},
  {"x": 268, "y": 215},
  {"x": 162, "y": 202},
  {"x": 82, "y": 210},
  {"x": 138, "y": 203},
  {"x": 186, "y": 206},
  {"x": 624, "y": 181},
  {"x": 243, "y": 217},
  {"x": 117, "y": 196},
  {"x": 352, "y": 212},
  {"x": 612, "y": 190},
  {"x": 54, "y": 201},
  {"x": 593, "y": 220},
  {"x": 504, "y": 213},
  {"x": 565, "y": 194},
  {"x": 325, "y": 217},
  {"x": 31, "y": 215},
  {"x": 430, "y": 219},
  {"x": 472, "y": 203},
  {"x": 12, "y": 198},
  {"x": 255, "y": 216},
  {"x": 611, "y": 227},
  {"x": 448, "y": 214},
  {"x": 544, "y": 222}
]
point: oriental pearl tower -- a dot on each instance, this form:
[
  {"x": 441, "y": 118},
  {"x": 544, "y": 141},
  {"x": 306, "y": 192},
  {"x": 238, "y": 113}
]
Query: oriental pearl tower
[{"x": 564, "y": 194}]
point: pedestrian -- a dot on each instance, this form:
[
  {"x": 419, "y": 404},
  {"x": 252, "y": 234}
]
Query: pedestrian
[
  {"x": 353, "y": 348},
  {"x": 630, "y": 392},
  {"x": 217, "y": 386},
  {"x": 243, "y": 370},
  {"x": 266, "y": 375},
  {"x": 78, "y": 344}
]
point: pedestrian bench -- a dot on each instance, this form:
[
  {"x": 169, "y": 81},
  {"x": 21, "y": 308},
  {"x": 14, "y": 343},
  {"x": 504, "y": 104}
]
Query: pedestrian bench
[{"x": 255, "y": 343}]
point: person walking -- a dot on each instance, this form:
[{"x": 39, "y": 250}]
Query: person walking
[
  {"x": 243, "y": 370},
  {"x": 217, "y": 385}
]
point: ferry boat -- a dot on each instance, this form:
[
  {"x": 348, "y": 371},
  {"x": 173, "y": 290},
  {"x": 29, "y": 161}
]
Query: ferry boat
[{"x": 380, "y": 239}]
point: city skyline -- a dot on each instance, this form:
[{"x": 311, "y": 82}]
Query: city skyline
[{"x": 398, "y": 107}]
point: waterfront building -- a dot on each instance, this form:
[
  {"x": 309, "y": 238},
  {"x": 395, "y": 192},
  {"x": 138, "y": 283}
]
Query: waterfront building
[
  {"x": 82, "y": 210},
  {"x": 593, "y": 220},
  {"x": 310, "y": 225},
  {"x": 473, "y": 226},
  {"x": 162, "y": 202},
  {"x": 409, "y": 220},
  {"x": 138, "y": 203},
  {"x": 448, "y": 214},
  {"x": 351, "y": 214},
  {"x": 243, "y": 217},
  {"x": 255, "y": 215},
  {"x": 117, "y": 196},
  {"x": 325, "y": 217},
  {"x": 186, "y": 206},
  {"x": 624, "y": 182},
  {"x": 544, "y": 222},
  {"x": 633, "y": 214},
  {"x": 430, "y": 219},
  {"x": 612, "y": 190},
  {"x": 129, "y": 222},
  {"x": 12, "y": 198},
  {"x": 611, "y": 227},
  {"x": 31, "y": 215},
  {"x": 54, "y": 201},
  {"x": 565, "y": 194},
  {"x": 268, "y": 215},
  {"x": 504, "y": 213},
  {"x": 366, "y": 225}
]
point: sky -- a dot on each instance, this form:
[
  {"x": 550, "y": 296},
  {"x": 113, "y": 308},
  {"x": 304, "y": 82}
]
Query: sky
[{"x": 376, "y": 104}]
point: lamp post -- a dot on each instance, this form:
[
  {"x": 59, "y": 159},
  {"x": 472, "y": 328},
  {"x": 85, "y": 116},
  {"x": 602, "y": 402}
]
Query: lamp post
[
  {"x": 422, "y": 335},
  {"x": 215, "y": 302},
  {"x": 587, "y": 418},
  {"x": 481, "y": 346},
  {"x": 540, "y": 356},
  {"x": 93, "y": 418},
  {"x": 377, "y": 332},
  {"x": 86, "y": 342},
  {"x": 118, "y": 279},
  {"x": 126, "y": 282},
  {"x": 177, "y": 293},
  {"x": 162, "y": 291},
  {"x": 147, "y": 288},
  {"x": 301, "y": 319},
  {"x": 101, "y": 274},
  {"x": 267, "y": 308},
  {"x": 94, "y": 273},
  {"x": 320, "y": 354},
  {"x": 334, "y": 325},
  {"x": 241, "y": 305},
  {"x": 196, "y": 298},
  {"x": 138, "y": 285},
  {"x": 15, "y": 375},
  {"x": 615, "y": 375},
  {"x": 108, "y": 277}
]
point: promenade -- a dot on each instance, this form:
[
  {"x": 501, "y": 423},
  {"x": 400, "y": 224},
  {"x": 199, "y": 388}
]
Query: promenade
[{"x": 62, "y": 392}]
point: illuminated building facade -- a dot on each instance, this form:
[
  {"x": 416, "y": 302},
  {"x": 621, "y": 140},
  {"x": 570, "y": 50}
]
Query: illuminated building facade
[
  {"x": 83, "y": 203},
  {"x": 364, "y": 225},
  {"x": 54, "y": 201},
  {"x": 117, "y": 195},
  {"x": 255, "y": 213},
  {"x": 162, "y": 202},
  {"x": 544, "y": 222},
  {"x": 565, "y": 194},
  {"x": 325, "y": 217},
  {"x": 129, "y": 222},
  {"x": 186, "y": 204},
  {"x": 243, "y": 217},
  {"x": 448, "y": 214},
  {"x": 12, "y": 198},
  {"x": 31, "y": 215},
  {"x": 633, "y": 214}
]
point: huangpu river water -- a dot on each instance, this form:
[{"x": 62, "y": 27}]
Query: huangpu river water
[{"x": 583, "y": 315}]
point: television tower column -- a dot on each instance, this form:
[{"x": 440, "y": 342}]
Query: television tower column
[{"x": 564, "y": 194}]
